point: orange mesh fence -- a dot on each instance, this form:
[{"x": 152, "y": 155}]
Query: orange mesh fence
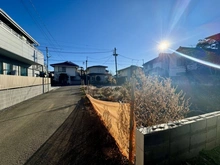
[{"x": 116, "y": 118}]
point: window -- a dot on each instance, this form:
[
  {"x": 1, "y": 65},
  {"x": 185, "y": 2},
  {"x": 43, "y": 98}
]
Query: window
[
  {"x": 61, "y": 69},
  {"x": 1, "y": 67},
  {"x": 98, "y": 78},
  {"x": 72, "y": 78},
  {"x": 23, "y": 71},
  {"x": 9, "y": 69}
]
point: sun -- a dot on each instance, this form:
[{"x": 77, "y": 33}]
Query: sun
[{"x": 163, "y": 45}]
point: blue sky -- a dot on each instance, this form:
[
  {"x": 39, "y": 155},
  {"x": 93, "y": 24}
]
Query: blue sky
[{"x": 76, "y": 30}]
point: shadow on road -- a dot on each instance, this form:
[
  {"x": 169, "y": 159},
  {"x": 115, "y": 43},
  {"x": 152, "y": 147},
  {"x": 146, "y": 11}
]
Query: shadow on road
[
  {"x": 80, "y": 140},
  {"x": 41, "y": 111}
]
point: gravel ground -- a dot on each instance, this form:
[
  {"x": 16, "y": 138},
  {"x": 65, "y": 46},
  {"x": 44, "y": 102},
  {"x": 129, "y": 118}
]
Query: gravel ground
[{"x": 26, "y": 126}]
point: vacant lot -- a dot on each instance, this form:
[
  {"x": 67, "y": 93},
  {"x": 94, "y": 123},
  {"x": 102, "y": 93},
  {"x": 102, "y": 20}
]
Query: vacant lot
[{"x": 203, "y": 98}]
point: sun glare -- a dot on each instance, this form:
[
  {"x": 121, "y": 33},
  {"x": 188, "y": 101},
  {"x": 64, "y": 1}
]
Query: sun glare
[{"x": 164, "y": 45}]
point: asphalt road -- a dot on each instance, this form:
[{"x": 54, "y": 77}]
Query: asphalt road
[{"x": 25, "y": 127}]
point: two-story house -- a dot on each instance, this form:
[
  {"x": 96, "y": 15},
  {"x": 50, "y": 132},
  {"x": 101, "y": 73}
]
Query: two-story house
[
  {"x": 201, "y": 71},
  {"x": 20, "y": 64},
  {"x": 97, "y": 74},
  {"x": 189, "y": 64},
  {"x": 126, "y": 73},
  {"x": 158, "y": 65},
  {"x": 66, "y": 73},
  {"x": 18, "y": 52}
]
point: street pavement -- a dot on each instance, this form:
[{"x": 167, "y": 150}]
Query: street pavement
[{"x": 25, "y": 127}]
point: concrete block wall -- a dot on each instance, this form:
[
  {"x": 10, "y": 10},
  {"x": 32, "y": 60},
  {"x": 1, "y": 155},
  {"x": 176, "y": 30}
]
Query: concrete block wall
[
  {"x": 10, "y": 97},
  {"x": 174, "y": 142}
]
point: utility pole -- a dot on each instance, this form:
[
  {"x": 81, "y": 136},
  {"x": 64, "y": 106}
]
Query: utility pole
[
  {"x": 47, "y": 69},
  {"x": 115, "y": 54},
  {"x": 47, "y": 59},
  {"x": 86, "y": 70}
]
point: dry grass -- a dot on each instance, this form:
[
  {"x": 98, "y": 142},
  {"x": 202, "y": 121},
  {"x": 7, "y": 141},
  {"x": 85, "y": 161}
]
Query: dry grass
[{"x": 156, "y": 100}]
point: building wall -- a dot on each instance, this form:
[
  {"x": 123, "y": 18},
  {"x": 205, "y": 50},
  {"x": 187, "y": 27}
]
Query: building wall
[
  {"x": 70, "y": 71},
  {"x": 175, "y": 69},
  {"x": 15, "y": 89},
  {"x": 173, "y": 142},
  {"x": 157, "y": 64},
  {"x": 14, "y": 43},
  {"x": 125, "y": 73},
  {"x": 96, "y": 70},
  {"x": 93, "y": 79}
]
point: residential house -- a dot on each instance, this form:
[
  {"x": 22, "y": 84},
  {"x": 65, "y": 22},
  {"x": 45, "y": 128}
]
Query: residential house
[
  {"x": 97, "y": 74},
  {"x": 66, "y": 73},
  {"x": 20, "y": 64},
  {"x": 195, "y": 71},
  {"x": 18, "y": 52},
  {"x": 158, "y": 65},
  {"x": 126, "y": 73},
  {"x": 184, "y": 64},
  {"x": 206, "y": 50}
]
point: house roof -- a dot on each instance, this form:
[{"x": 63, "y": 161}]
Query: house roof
[
  {"x": 132, "y": 66},
  {"x": 66, "y": 63},
  {"x": 100, "y": 66},
  {"x": 210, "y": 55},
  {"x": 161, "y": 57},
  {"x": 4, "y": 17},
  {"x": 151, "y": 61},
  {"x": 214, "y": 37},
  {"x": 92, "y": 74}
]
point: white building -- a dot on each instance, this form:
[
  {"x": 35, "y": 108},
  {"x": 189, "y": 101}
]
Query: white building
[
  {"x": 158, "y": 66},
  {"x": 18, "y": 52},
  {"x": 20, "y": 63},
  {"x": 97, "y": 74},
  {"x": 66, "y": 73},
  {"x": 126, "y": 73}
]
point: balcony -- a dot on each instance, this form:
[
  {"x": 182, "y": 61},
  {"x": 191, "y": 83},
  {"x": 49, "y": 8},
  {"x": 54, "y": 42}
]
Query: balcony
[{"x": 17, "y": 47}]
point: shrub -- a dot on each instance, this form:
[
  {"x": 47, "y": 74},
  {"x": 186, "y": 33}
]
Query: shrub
[{"x": 156, "y": 101}]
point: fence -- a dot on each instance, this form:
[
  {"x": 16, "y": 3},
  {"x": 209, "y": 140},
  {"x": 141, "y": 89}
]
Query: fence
[
  {"x": 116, "y": 118},
  {"x": 12, "y": 81},
  {"x": 15, "y": 89},
  {"x": 173, "y": 142}
]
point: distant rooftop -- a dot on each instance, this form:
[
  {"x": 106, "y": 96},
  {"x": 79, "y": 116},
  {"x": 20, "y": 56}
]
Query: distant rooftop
[
  {"x": 210, "y": 55},
  {"x": 100, "y": 66},
  {"x": 214, "y": 37},
  {"x": 132, "y": 66},
  {"x": 66, "y": 63}
]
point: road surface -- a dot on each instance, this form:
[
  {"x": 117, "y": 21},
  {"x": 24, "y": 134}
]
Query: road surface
[{"x": 25, "y": 127}]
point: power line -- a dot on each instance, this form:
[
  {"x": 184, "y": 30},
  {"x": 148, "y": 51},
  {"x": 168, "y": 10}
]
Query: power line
[
  {"x": 70, "y": 52},
  {"x": 129, "y": 58},
  {"x": 43, "y": 22},
  {"x": 38, "y": 25},
  {"x": 78, "y": 47},
  {"x": 99, "y": 58},
  {"x": 106, "y": 60}
]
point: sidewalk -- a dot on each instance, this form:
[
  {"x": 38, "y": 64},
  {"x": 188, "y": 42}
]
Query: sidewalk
[{"x": 26, "y": 126}]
